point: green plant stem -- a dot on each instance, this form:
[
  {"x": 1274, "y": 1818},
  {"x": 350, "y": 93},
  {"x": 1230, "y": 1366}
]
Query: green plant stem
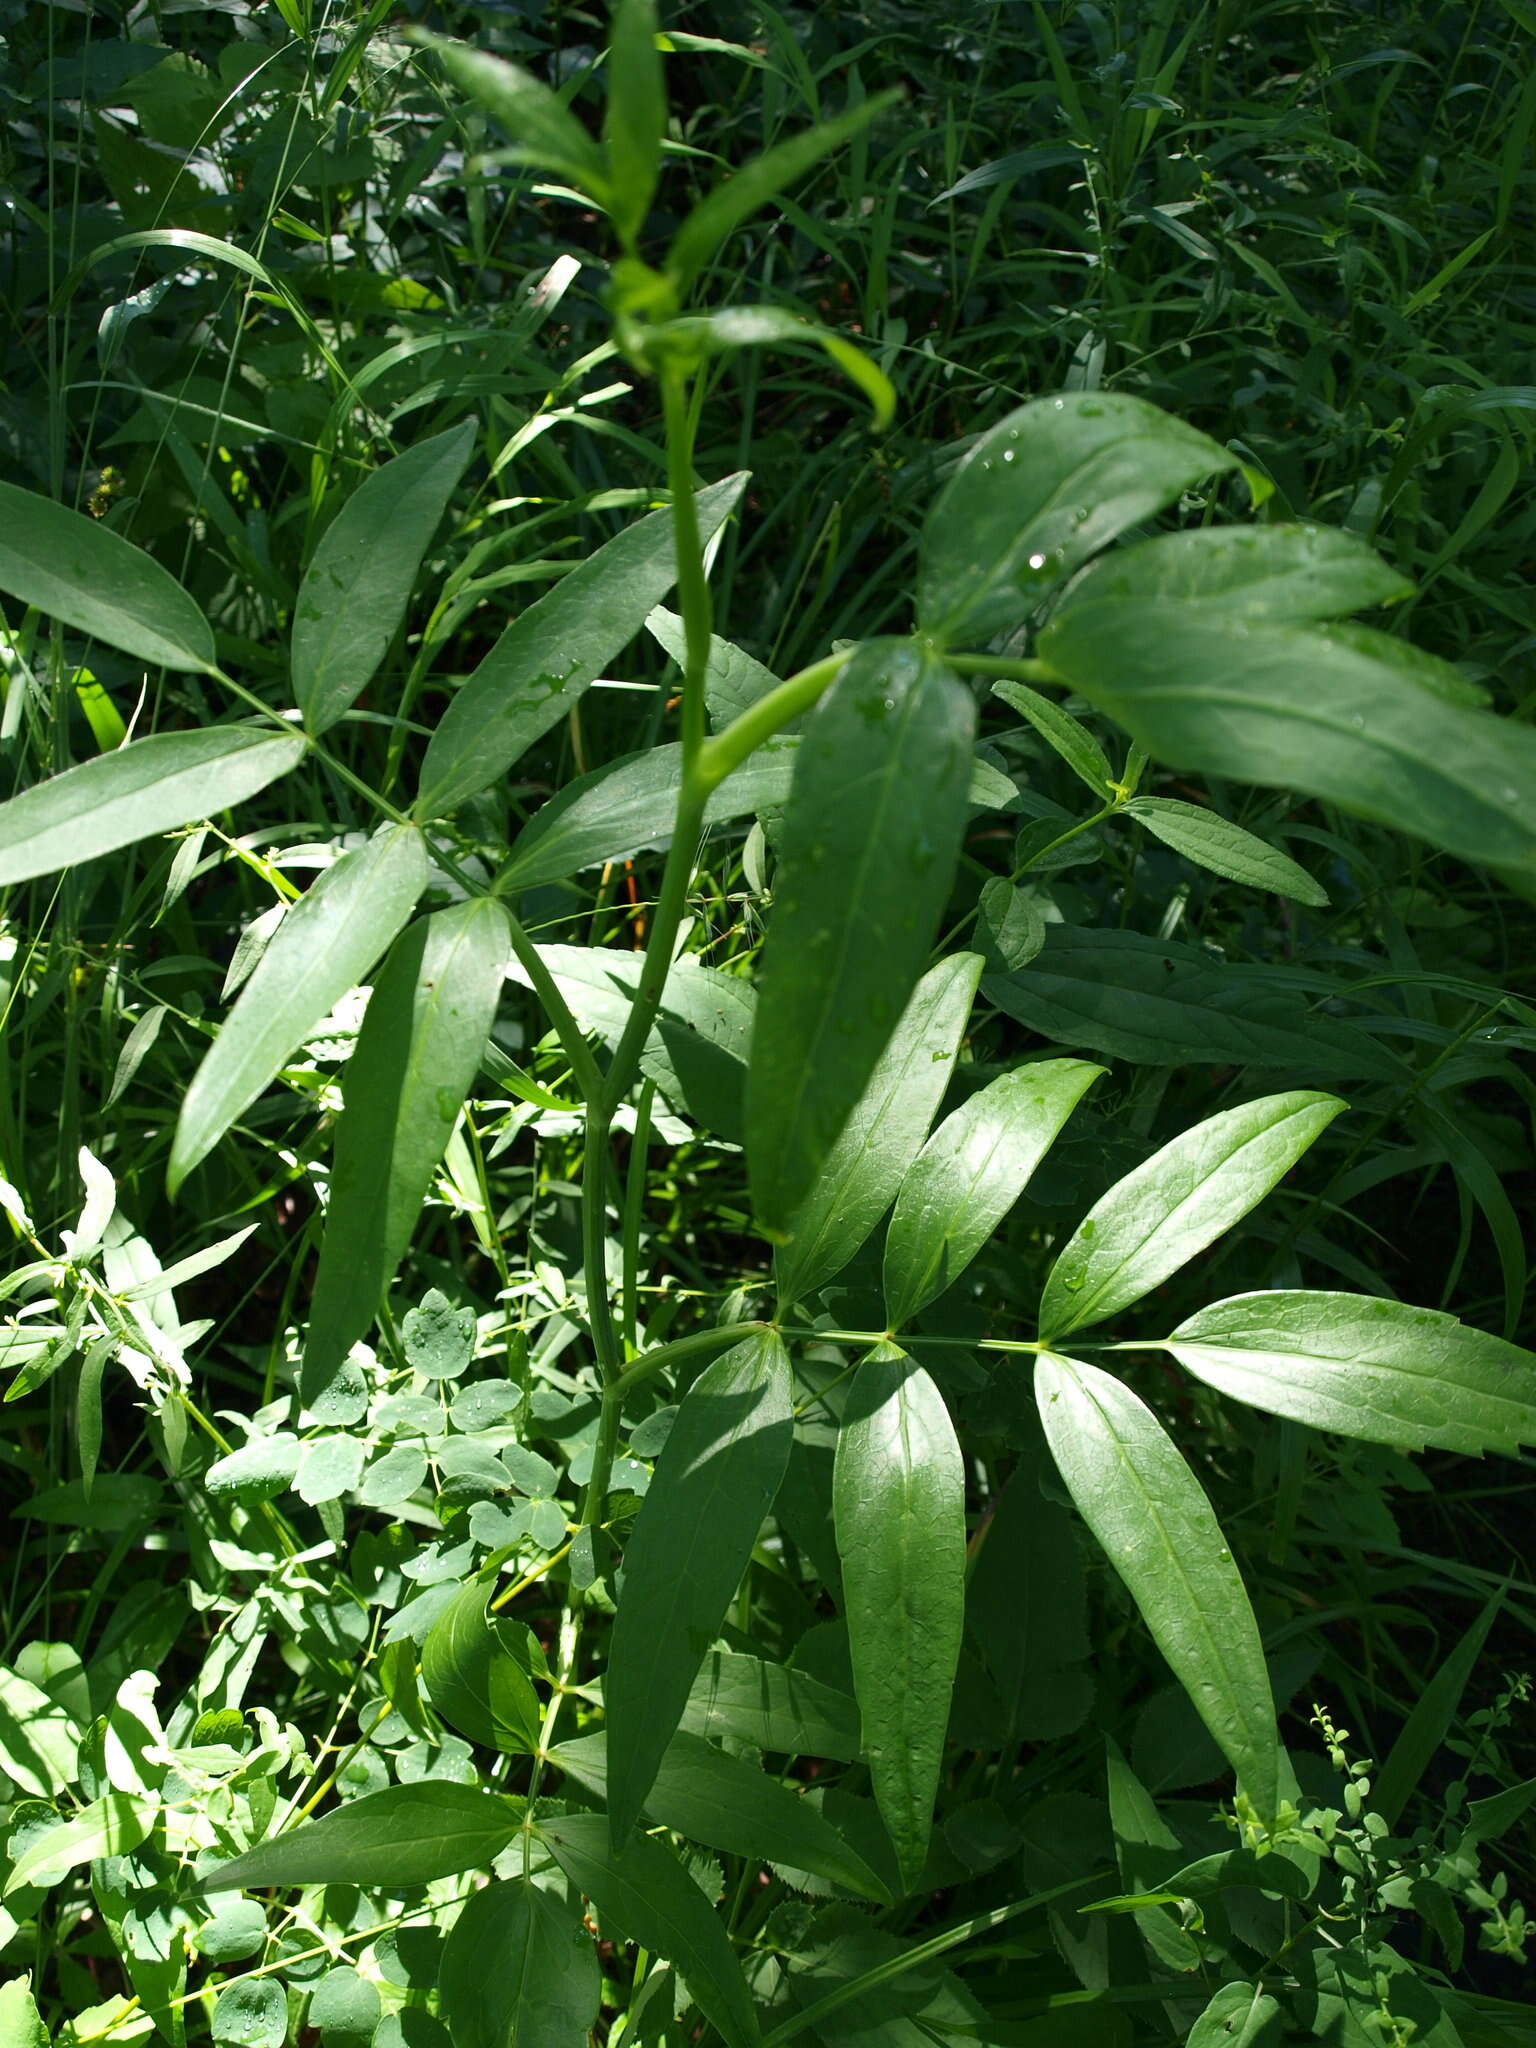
[
  {"x": 692, "y": 581},
  {"x": 679, "y": 1351},
  {"x": 1009, "y": 667},
  {"x": 584, "y": 1067}
]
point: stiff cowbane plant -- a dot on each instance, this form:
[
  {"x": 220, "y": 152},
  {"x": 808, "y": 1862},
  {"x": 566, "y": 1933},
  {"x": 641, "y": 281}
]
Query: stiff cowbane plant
[{"x": 629, "y": 1751}]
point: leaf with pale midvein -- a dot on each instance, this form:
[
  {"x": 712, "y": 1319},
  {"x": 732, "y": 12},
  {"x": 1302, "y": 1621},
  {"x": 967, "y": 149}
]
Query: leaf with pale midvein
[
  {"x": 1064, "y": 734},
  {"x": 713, "y": 1485},
  {"x": 323, "y": 947},
  {"x": 416, "y": 1057},
  {"x": 75, "y": 569},
  {"x": 519, "y": 1967},
  {"x": 1156, "y": 1527},
  {"x": 969, "y": 1175},
  {"x": 1414, "y": 1378},
  {"x": 473, "y": 1679},
  {"x": 868, "y": 847},
  {"x": 884, "y": 1133},
  {"x": 1287, "y": 573},
  {"x": 647, "y": 1896},
  {"x": 1214, "y": 842},
  {"x": 1176, "y": 1203},
  {"x": 151, "y": 785},
  {"x": 358, "y": 583},
  {"x": 405, "y": 1835},
  {"x": 554, "y": 650},
  {"x": 899, "y": 1511}
]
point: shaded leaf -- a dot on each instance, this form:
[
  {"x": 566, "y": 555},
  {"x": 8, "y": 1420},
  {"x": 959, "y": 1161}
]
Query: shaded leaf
[
  {"x": 405, "y": 1835},
  {"x": 543, "y": 130},
  {"x": 518, "y": 1967},
  {"x": 475, "y": 1682},
  {"x": 743, "y": 1699},
  {"x": 1214, "y": 842}
]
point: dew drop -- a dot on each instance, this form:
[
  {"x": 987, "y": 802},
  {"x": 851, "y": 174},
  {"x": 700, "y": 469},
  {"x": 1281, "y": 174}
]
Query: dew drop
[
  {"x": 1037, "y": 562},
  {"x": 1510, "y": 796},
  {"x": 1007, "y": 455},
  {"x": 1357, "y": 722}
]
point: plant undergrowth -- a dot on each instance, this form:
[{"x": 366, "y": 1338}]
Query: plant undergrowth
[{"x": 765, "y": 1106}]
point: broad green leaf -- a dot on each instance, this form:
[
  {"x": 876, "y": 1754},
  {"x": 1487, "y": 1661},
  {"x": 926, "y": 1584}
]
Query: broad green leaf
[
  {"x": 250, "y": 2013},
  {"x": 552, "y": 651},
  {"x": 78, "y": 570},
  {"x": 899, "y": 1506},
  {"x": 969, "y": 1175},
  {"x": 867, "y": 851},
  {"x": 38, "y": 1740},
  {"x": 727, "y": 1803},
  {"x": 721, "y": 211},
  {"x": 543, "y": 130},
  {"x": 1156, "y": 1527},
  {"x": 1161, "y": 1003},
  {"x": 1051, "y": 484},
  {"x": 519, "y": 1971},
  {"x": 258, "y": 1470},
  {"x": 113, "y": 1825},
  {"x": 636, "y": 117},
  {"x": 652, "y": 1900},
  {"x": 323, "y": 947},
  {"x": 1288, "y": 574},
  {"x": 1434, "y": 1712},
  {"x": 21, "y": 2024},
  {"x": 862, "y": 1172},
  {"x": 474, "y": 1680},
  {"x": 742, "y": 1699},
  {"x": 1410, "y": 664},
  {"x": 1010, "y": 925},
  {"x": 1226, "y": 849},
  {"x": 1308, "y": 712},
  {"x": 405, "y": 1835},
  {"x": 737, "y": 327},
  {"x": 1238, "y": 2016},
  {"x": 1410, "y": 1377},
  {"x": 356, "y": 587},
  {"x": 733, "y": 679},
  {"x": 630, "y": 805},
  {"x": 151, "y": 785},
  {"x": 1064, "y": 734},
  {"x": 1176, "y": 1203},
  {"x": 416, "y": 1058},
  {"x": 712, "y": 1487}
]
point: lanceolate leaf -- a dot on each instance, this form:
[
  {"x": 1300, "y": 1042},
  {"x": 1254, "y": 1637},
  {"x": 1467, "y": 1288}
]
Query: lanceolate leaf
[
  {"x": 733, "y": 680},
  {"x": 550, "y": 654},
  {"x": 474, "y": 1681},
  {"x": 356, "y": 588},
  {"x": 646, "y": 1894},
  {"x": 541, "y": 128},
  {"x": 730, "y": 1804},
  {"x": 519, "y": 1967},
  {"x": 1393, "y": 1374},
  {"x": 637, "y": 113},
  {"x": 1285, "y": 573},
  {"x": 899, "y": 1503},
  {"x": 1157, "y": 1218},
  {"x": 969, "y": 1175},
  {"x": 1226, "y": 849},
  {"x": 416, "y": 1056},
  {"x": 868, "y": 849},
  {"x": 113, "y": 1825},
  {"x": 78, "y": 570},
  {"x": 1066, "y": 735},
  {"x": 324, "y": 946},
  {"x": 1304, "y": 711},
  {"x": 1156, "y": 1527},
  {"x": 406, "y": 1835},
  {"x": 1050, "y": 485},
  {"x": 151, "y": 785},
  {"x": 740, "y": 1699},
  {"x": 883, "y": 1135},
  {"x": 713, "y": 1484}
]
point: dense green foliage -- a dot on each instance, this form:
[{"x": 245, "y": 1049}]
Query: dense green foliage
[{"x": 765, "y": 1101}]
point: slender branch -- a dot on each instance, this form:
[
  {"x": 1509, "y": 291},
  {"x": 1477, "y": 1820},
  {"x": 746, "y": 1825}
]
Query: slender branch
[{"x": 1006, "y": 666}]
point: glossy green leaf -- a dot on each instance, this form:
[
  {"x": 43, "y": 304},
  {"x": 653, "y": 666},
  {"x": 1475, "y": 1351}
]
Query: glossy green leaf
[
  {"x": 113, "y": 1825},
  {"x": 969, "y": 1175},
  {"x": 1284, "y": 573},
  {"x": 151, "y": 785},
  {"x": 1155, "y": 1525},
  {"x": 519, "y": 1971},
  {"x": 1159, "y": 1002},
  {"x": 712, "y": 1487},
  {"x": 1238, "y": 2016},
  {"x": 722, "y": 210},
  {"x": 554, "y": 650},
  {"x": 1214, "y": 842},
  {"x": 405, "y": 1835},
  {"x": 1408, "y": 663},
  {"x": 1066, "y": 735},
  {"x": 542, "y": 129},
  {"x": 741, "y": 1699},
  {"x": 1051, "y": 484},
  {"x": 474, "y": 1680},
  {"x": 647, "y": 1894},
  {"x": 21, "y": 2024},
  {"x": 729, "y": 1804},
  {"x": 1309, "y": 712},
  {"x": 636, "y": 116},
  {"x": 738, "y": 327},
  {"x": 1176, "y": 1203},
  {"x": 1383, "y": 1370},
  {"x": 416, "y": 1058},
  {"x": 867, "y": 852},
  {"x": 358, "y": 584},
  {"x": 75, "y": 569},
  {"x": 883, "y": 1135},
  {"x": 630, "y": 805},
  {"x": 899, "y": 1506},
  {"x": 323, "y": 947}
]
